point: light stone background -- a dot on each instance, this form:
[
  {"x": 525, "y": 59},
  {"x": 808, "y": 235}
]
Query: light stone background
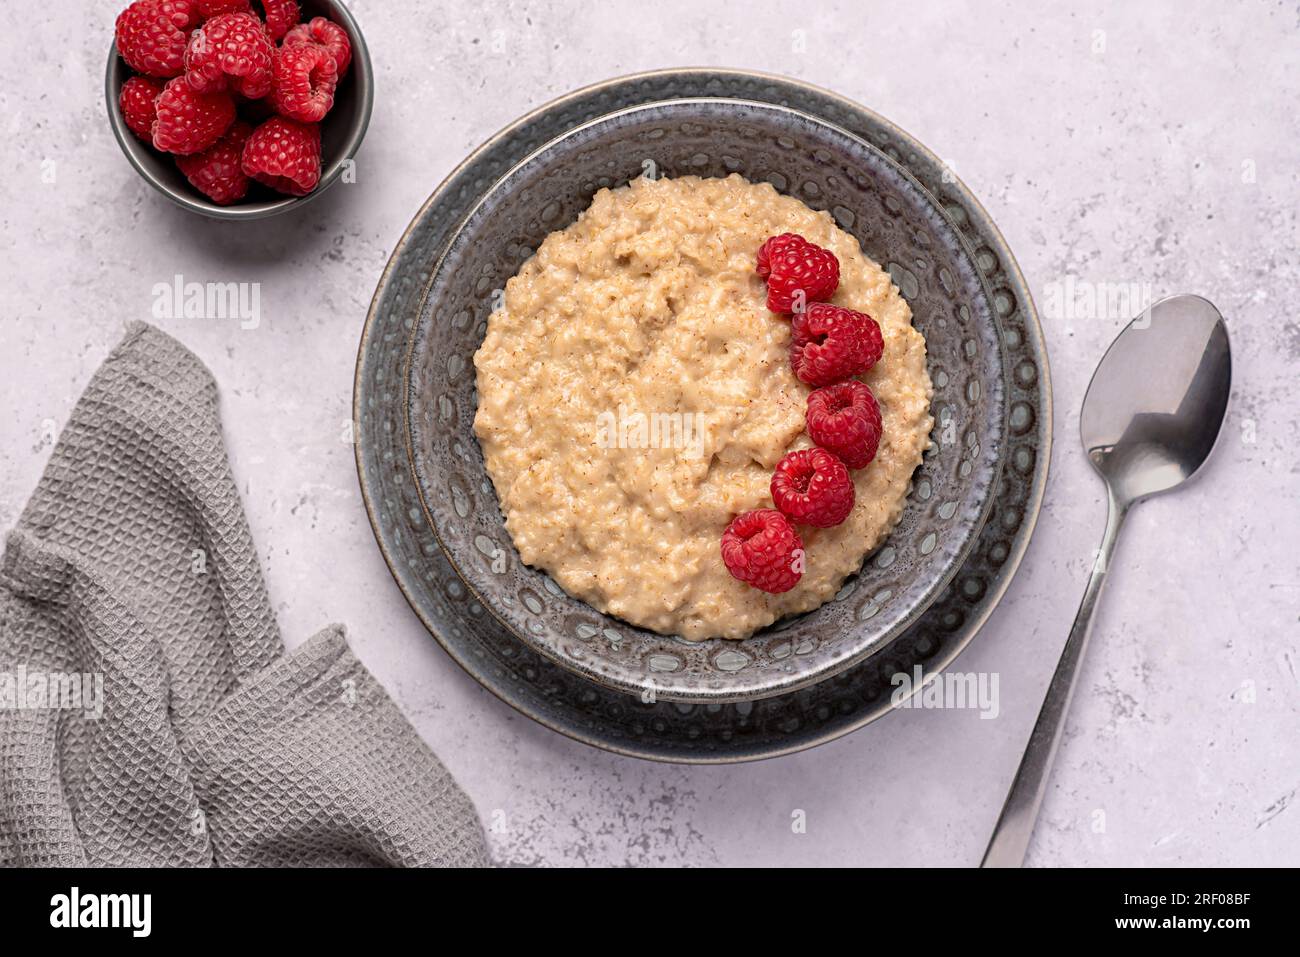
[{"x": 1155, "y": 143}]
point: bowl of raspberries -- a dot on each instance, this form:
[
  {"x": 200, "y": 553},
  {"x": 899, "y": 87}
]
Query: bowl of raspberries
[{"x": 238, "y": 109}]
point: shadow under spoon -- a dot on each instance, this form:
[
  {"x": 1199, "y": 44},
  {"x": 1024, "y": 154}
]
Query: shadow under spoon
[{"x": 1150, "y": 418}]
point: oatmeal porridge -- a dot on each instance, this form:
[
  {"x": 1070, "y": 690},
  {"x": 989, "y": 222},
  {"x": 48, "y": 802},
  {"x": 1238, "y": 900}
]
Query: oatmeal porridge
[{"x": 635, "y": 395}]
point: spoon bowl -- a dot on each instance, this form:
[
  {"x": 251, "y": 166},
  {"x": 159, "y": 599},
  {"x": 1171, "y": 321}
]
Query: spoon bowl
[{"x": 1157, "y": 400}]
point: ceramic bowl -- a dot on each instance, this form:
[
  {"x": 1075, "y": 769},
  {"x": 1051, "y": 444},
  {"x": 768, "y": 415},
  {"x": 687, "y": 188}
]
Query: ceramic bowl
[
  {"x": 342, "y": 131},
  {"x": 899, "y": 224}
]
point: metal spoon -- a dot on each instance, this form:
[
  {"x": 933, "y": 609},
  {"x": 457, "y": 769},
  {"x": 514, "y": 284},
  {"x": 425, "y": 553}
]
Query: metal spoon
[{"x": 1150, "y": 418}]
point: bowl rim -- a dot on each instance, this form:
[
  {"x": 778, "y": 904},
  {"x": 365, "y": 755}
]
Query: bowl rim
[
  {"x": 362, "y": 73},
  {"x": 828, "y": 669}
]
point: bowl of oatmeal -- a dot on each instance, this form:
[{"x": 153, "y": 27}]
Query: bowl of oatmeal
[{"x": 597, "y": 388}]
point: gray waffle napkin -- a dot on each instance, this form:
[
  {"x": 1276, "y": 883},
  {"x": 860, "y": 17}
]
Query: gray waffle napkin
[{"x": 133, "y": 565}]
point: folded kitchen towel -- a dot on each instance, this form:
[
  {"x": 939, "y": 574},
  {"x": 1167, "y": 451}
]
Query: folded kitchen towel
[{"x": 148, "y": 713}]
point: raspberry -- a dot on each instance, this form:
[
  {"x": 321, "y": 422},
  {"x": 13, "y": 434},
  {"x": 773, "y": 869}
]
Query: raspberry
[
  {"x": 284, "y": 155},
  {"x": 138, "y": 103},
  {"x": 232, "y": 50},
  {"x": 328, "y": 34},
  {"x": 813, "y": 487},
  {"x": 213, "y": 8},
  {"x": 151, "y": 35},
  {"x": 762, "y": 549},
  {"x": 831, "y": 343},
  {"x": 792, "y": 265},
  {"x": 188, "y": 121},
  {"x": 306, "y": 76},
  {"x": 281, "y": 16},
  {"x": 217, "y": 172},
  {"x": 845, "y": 419}
]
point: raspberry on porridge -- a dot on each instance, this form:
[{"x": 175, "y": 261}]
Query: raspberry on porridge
[{"x": 636, "y": 395}]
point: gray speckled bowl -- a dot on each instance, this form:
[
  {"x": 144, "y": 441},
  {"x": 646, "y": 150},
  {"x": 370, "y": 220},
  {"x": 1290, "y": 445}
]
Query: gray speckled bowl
[
  {"x": 341, "y": 131},
  {"x": 899, "y": 224}
]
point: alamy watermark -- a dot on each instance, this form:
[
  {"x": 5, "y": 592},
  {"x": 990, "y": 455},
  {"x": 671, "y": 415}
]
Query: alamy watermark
[
  {"x": 944, "y": 690},
  {"x": 624, "y": 429},
  {"x": 133, "y": 912},
  {"x": 1072, "y": 298},
  {"x": 179, "y": 299},
  {"x": 27, "y": 689}
]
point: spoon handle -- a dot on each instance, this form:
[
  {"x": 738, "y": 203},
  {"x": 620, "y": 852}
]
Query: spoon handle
[{"x": 1016, "y": 823}]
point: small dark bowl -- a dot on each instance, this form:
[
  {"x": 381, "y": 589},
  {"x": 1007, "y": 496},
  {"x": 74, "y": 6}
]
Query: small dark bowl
[{"x": 341, "y": 131}]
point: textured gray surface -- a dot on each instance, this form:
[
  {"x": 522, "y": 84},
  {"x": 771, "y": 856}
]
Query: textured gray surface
[
  {"x": 203, "y": 743},
  {"x": 1156, "y": 146}
]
